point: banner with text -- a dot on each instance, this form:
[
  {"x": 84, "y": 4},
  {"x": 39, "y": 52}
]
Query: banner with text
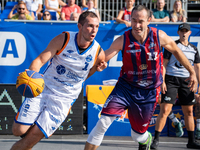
[{"x": 22, "y": 42}]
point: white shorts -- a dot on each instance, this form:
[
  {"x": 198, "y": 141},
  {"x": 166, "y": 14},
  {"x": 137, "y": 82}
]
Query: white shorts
[{"x": 47, "y": 111}]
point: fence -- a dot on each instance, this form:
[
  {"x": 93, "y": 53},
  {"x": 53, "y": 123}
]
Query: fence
[{"x": 109, "y": 9}]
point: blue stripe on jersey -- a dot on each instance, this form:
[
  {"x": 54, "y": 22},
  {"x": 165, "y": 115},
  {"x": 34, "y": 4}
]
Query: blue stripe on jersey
[
  {"x": 133, "y": 55},
  {"x": 75, "y": 40}
]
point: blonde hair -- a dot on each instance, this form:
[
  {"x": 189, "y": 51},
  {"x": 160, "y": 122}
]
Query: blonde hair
[{"x": 174, "y": 8}]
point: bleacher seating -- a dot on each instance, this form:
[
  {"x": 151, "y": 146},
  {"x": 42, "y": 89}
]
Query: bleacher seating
[
  {"x": 53, "y": 15},
  {"x": 7, "y": 9}
]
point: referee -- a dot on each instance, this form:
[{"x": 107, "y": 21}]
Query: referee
[{"x": 174, "y": 76}]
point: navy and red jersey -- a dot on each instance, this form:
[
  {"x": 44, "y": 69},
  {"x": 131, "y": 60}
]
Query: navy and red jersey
[
  {"x": 142, "y": 63},
  {"x": 127, "y": 15}
]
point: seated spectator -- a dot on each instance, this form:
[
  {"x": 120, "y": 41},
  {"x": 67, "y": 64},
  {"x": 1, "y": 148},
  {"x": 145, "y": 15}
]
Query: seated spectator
[
  {"x": 178, "y": 14},
  {"x": 34, "y": 6},
  {"x": 74, "y": 16},
  {"x": 46, "y": 15},
  {"x": 90, "y": 7},
  {"x": 68, "y": 9},
  {"x": 85, "y": 5},
  {"x": 124, "y": 15},
  {"x": 160, "y": 14},
  {"x": 10, "y": 15},
  {"x": 53, "y": 6},
  {"x": 21, "y": 12}
]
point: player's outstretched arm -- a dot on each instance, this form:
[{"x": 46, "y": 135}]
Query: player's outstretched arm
[
  {"x": 169, "y": 44},
  {"x": 99, "y": 65},
  {"x": 115, "y": 47},
  {"x": 53, "y": 47}
]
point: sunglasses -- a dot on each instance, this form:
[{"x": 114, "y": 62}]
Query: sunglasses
[
  {"x": 21, "y": 8},
  {"x": 46, "y": 14}
]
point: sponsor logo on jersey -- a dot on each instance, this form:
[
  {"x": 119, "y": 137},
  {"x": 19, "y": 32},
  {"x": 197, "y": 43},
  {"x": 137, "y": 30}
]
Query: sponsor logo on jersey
[
  {"x": 73, "y": 76},
  {"x": 143, "y": 66},
  {"x": 133, "y": 51},
  {"x": 70, "y": 51},
  {"x": 63, "y": 82},
  {"x": 57, "y": 121},
  {"x": 167, "y": 98},
  {"x": 89, "y": 58},
  {"x": 145, "y": 83},
  {"x": 68, "y": 56},
  {"x": 142, "y": 72},
  {"x": 193, "y": 100},
  {"x": 60, "y": 69}
]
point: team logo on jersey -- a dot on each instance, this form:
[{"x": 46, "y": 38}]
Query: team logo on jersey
[
  {"x": 70, "y": 51},
  {"x": 152, "y": 45},
  {"x": 89, "y": 58},
  {"x": 60, "y": 69},
  {"x": 143, "y": 66}
]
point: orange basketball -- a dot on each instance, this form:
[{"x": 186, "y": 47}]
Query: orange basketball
[{"x": 30, "y": 83}]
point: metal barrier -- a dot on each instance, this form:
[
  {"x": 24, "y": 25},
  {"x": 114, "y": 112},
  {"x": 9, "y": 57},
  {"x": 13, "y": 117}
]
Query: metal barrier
[{"x": 109, "y": 9}]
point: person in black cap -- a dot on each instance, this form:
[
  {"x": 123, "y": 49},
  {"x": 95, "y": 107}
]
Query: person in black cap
[{"x": 174, "y": 76}]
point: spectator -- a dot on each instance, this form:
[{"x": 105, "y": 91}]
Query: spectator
[
  {"x": 53, "y": 6},
  {"x": 85, "y": 5},
  {"x": 178, "y": 14},
  {"x": 34, "y": 6},
  {"x": 46, "y": 15},
  {"x": 124, "y": 15},
  {"x": 22, "y": 12},
  {"x": 74, "y": 16},
  {"x": 90, "y": 7},
  {"x": 160, "y": 14},
  {"x": 68, "y": 9},
  {"x": 199, "y": 20}
]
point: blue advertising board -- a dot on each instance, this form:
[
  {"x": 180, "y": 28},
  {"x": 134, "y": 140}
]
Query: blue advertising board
[{"x": 22, "y": 42}]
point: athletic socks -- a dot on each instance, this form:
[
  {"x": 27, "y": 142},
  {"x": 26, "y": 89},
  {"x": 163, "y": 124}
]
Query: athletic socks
[
  {"x": 173, "y": 117},
  {"x": 198, "y": 124}
]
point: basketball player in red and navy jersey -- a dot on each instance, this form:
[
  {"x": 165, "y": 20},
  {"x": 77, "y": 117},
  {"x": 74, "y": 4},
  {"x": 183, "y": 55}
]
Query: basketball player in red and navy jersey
[{"x": 138, "y": 86}]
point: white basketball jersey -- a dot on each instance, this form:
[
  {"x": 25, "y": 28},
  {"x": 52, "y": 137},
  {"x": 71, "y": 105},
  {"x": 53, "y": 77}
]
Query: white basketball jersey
[{"x": 68, "y": 69}]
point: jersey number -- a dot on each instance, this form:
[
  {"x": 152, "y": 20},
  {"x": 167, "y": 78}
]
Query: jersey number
[
  {"x": 152, "y": 56},
  {"x": 86, "y": 65}
]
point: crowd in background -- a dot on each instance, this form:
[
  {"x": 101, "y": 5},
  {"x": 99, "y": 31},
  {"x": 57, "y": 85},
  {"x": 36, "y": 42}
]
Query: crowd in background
[{"x": 59, "y": 10}]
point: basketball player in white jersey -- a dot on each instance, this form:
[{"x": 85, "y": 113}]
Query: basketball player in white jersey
[{"x": 73, "y": 58}]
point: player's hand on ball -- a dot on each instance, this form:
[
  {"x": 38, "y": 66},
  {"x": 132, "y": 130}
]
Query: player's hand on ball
[
  {"x": 30, "y": 83},
  {"x": 101, "y": 66}
]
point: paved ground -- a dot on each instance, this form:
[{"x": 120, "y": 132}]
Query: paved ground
[{"x": 77, "y": 142}]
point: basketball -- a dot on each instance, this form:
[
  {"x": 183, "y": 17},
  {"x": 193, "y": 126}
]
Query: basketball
[{"x": 30, "y": 83}]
